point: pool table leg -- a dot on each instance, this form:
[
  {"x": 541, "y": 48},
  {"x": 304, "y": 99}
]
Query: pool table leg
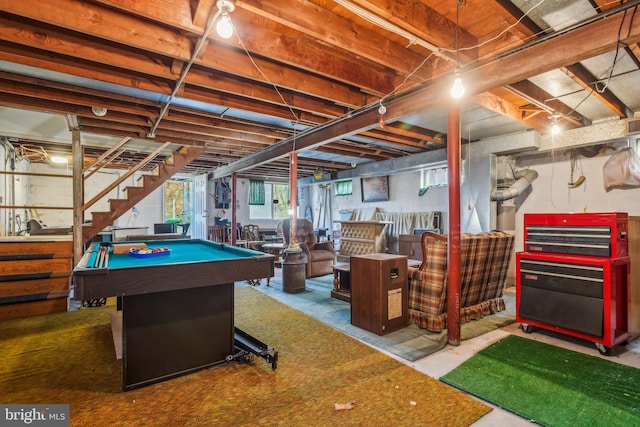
[{"x": 163, "y": 333}]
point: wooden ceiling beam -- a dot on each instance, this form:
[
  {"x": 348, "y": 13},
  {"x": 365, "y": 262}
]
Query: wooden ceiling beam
[
  {"x": 415, "y": 132},
  {"x": 60, "y": 92},
  {"x": 90, "y": 52},
  {"x": 347, "y": 35},
  {"x": 233, "y": 85},
  {"x": 572, "y": 47},
  {"x": 423, "y": 21},
  {"x": 81, "y": 48},
  {"x": 79, "y": 68},
  {"x": 305, "y": 54},
  {"x": 187, "y": 117},
  {"x": 597, "y": 89},
  {"x": 353, "y": 81},
  {"x": 576, "y": 71},
  {"x": 105, "y": 23},
  {"x": 184, "y": 15}
]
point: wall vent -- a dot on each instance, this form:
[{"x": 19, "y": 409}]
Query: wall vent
[{"x": 633, "y": 126}]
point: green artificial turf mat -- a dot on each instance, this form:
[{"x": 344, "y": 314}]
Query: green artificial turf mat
[{"x": 551, "y": 386}]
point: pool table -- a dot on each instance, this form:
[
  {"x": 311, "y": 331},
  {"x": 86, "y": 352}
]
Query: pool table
[{"x": 177, "y": 308}]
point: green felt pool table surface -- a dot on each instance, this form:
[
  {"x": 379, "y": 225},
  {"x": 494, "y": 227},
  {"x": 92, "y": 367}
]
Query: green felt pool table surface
[
  {"x": 181, "y": 251},
  {"x": 191, "y": 263}
]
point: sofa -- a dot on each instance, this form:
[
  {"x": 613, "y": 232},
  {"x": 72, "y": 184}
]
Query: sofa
[
  {"x": 484, "y": 264},
  {"x": 319, "y": 257}
]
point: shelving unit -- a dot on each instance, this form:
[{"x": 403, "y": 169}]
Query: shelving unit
[{"x": 35, "y": 276}]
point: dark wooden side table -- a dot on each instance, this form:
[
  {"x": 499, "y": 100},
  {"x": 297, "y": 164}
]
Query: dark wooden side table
[{"x": 341, "y": 281}]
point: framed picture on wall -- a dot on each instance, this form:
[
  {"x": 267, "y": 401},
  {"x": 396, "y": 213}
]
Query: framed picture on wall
[{"x": 375, "y": 189}]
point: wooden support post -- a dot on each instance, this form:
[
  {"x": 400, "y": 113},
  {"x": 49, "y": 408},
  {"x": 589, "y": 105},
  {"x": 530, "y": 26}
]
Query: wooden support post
[{"x": 78, "y": 195}]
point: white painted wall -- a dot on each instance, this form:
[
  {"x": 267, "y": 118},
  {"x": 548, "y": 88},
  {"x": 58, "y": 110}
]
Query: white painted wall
[
  {"x": 403, "y": 197},
  {"x": 551, "y": 192},
  {"x": 58, "y": 192}
]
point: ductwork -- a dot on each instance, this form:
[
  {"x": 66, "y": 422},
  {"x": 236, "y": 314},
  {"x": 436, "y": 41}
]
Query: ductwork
[{"x": 523, "y": 181}]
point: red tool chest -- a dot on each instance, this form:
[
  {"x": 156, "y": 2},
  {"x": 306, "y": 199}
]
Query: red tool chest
[{"x": 573, "y": 276}]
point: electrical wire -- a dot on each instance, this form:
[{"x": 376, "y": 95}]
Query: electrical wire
[
  {"x": 434, "y": 49},
  {"x": 407, "y": 77},
  {"x": 497, "y": 36},
  {"x": 615, "y": 58},
  {"x": 275, "y": 87}
]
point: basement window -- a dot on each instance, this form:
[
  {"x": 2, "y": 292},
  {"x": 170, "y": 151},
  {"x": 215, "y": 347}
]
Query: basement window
[
  {"x": 434, "y": 177},
  {"x": 275, "y": 203},
  {"x": 178, "y": 195},
  {"x": 344, "y": 188}
]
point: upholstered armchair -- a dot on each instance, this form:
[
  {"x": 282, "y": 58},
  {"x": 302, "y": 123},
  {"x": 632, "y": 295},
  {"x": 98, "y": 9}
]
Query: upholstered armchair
[
  {"x": 484, "y": 264},
  {"x": 319, "y": 257}
]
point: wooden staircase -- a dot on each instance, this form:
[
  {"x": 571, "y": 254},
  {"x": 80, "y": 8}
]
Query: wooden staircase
[{"x": 162, "y": 172}]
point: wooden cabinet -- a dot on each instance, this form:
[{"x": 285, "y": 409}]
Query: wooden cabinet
[
  {"x": 379, "y": 292},
  {"x": 410, "y": 245},
  {"x": 35, "y": 276}
]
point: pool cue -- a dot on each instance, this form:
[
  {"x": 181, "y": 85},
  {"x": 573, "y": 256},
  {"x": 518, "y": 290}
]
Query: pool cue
[
  {"x": 99, "y": 258},
  {"x": 104, "y": 256}
]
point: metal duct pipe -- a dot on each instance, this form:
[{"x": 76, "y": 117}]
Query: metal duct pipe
[{"x": 522, "y": 183}]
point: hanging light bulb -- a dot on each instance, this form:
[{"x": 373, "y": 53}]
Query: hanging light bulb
[
  {"x": 457, "y": 90},
  {"x": 224, "y": 28},
  {"x": 555, "y": 129}
]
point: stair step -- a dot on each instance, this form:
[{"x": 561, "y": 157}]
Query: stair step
[
  {"x": 160, "y": 174},
  {"x": 152, "y": 180},
  {"x": 100, "y": 217},
  {"x": 134, "y": 192},
  {"x": 118, "y": 204}
]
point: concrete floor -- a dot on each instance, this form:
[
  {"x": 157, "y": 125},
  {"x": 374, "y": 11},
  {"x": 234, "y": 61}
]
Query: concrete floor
[{"x": 443, "y": 361}]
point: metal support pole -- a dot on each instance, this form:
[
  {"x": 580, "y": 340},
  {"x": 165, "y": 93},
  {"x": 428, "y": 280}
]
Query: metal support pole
[
  {"x": 453, "y": 244},
  {"x": 234, "y": 198},
  {"x": 293, "y": 198},
  {"x": 293, "y": 266}
]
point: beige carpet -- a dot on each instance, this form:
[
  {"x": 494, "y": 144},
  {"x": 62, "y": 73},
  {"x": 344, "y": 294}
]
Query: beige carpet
[{"x": 69, "y": 358}]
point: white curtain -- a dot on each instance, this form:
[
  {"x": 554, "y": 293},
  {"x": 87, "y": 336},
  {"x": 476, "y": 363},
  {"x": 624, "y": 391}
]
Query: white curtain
[{"x": 405, "y": 223}]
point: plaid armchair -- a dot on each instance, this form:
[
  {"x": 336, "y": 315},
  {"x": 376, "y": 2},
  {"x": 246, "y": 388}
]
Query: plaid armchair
[{"x": 484, "y": 262}]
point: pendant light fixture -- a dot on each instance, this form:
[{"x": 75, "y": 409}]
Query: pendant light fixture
[
  {"x": 457, "y": 90},
  {"x": 224, "y": 28},
  {"x": 555, "y": 129}
]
